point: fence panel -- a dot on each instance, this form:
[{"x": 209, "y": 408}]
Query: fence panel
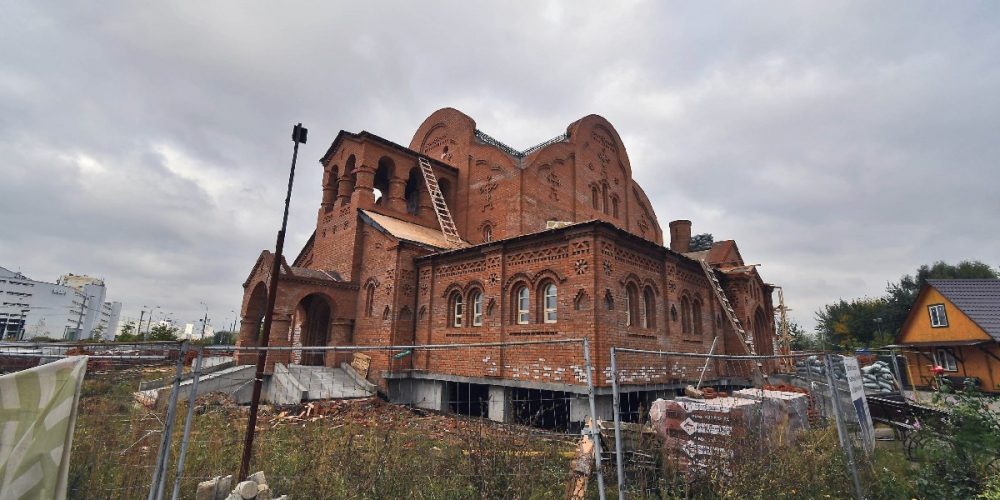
[
  {"x": 691, "y": 424},
  {"x": 455, "y": 421},
  {"x": 120, "y": 423}
]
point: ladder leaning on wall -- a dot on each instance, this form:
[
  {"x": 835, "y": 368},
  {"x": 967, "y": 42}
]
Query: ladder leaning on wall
[
  {"x": 448, "y": 228},
  {"x": 720, "y": 295}
]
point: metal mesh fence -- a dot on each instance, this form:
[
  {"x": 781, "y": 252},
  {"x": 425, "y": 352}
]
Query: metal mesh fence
[
  {"x": 691, "y": 424},
  {"x": 456, "y": 421},
  {"x": 119, "y": 425}
]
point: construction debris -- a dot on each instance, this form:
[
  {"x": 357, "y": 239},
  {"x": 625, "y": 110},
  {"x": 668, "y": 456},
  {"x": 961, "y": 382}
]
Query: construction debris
[{"x": 255, "y": 487}]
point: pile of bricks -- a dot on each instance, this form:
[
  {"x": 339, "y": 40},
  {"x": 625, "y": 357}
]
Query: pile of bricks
[
  {"x": 701, "y": 434},
  {"x": 218, "y": 488}
]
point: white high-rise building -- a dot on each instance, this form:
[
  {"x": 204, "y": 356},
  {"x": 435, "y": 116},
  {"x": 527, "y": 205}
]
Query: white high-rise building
[{"x": 72, "y": 309}]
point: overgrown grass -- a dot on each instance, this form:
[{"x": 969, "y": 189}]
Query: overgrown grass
[{"x": 364, "y": 449}]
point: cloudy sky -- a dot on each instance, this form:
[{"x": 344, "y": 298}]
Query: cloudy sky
[{"x": 841, "y": 144}]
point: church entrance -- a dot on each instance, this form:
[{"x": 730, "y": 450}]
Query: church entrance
[{"x": 312, "y": 325}]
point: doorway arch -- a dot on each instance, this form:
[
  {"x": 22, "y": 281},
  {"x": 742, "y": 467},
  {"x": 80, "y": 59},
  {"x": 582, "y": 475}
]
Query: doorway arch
[{"x": 312, "y": 327}]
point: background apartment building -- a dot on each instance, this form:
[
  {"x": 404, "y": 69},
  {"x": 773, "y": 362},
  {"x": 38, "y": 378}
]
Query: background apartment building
[{"x": 73, "y": 308}]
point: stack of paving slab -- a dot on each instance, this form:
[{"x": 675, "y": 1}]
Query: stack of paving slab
[
  {"x": 701, "y": 434},
  {"x": 218, "y": 488}
]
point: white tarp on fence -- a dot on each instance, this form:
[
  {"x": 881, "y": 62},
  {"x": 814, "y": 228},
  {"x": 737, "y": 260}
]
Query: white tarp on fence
[{"x": 37, "y": 415}]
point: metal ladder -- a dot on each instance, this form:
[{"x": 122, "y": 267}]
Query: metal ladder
[
  {"x": 731, "y": 314},
  {"x": 448, "y": 228}
]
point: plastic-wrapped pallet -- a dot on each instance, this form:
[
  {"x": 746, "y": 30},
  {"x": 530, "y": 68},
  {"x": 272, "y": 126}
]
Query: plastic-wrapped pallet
[
  {"x": 785, "y": 412},
  {"x": 703, "y": 433}
]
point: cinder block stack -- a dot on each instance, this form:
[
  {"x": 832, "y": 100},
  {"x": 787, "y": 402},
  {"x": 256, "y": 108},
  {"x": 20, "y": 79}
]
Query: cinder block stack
[{"x": 699, "y": 434}]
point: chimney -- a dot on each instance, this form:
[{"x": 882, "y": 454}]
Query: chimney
[{"x": 680, "y": 235}]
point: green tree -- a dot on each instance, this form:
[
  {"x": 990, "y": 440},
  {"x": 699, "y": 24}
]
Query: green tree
[
  {"x": 801, "y": 340},
  {"x": 701, "y": 242},
  {"x": 225, "y": 338},
  {"x": 162, "y": 332},
  {"x": 128, "y": 333}
]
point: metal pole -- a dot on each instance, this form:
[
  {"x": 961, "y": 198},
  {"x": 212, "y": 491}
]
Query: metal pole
[
  {"x": 711, "y": 351},
  {"x": 595, "y": 434},
  {"x": 298, "y": 133},
  {"x": 138, "y": 332},
  {"x": 619, "y": 456},
  {"x": 155, "y": 489},
  {"x": 845, "y": 441},
  {"x": 187, "y": 425}
]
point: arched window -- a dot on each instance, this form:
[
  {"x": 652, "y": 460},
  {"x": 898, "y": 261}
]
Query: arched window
[
  {"x": 696, "y": 313},
  {"x": 549, "y": 303},
  {"x": 614, "y": 206},
  {"x": 631, "y": 305},
  {"x": 648, "y": 308},
  {"x": 369, "y": 299},
  {"x": 457, "y": 309},
  {"x": 593, "y": 197},
  {"x": 604, "y": 197},
  {"x": 685, "y": 315},
  {"x": 476, "y": 299},
  {"x": 487, "y": 234},
  {"x": 521, "y": 305}
]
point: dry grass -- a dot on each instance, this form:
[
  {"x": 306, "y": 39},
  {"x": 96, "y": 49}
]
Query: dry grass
[{"x": 357, "y": 449}]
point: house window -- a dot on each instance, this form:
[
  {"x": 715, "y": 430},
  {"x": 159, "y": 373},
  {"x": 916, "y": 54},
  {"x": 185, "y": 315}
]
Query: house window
[
  {"x": 938, "y": 317},
  {"x": 521, "y": 316},
  {"x": 549, "y": 303},
  {"x": 456, "y": 310},
  {"x": 477, "y": 308},
  {"x": 945, "y": 359}
]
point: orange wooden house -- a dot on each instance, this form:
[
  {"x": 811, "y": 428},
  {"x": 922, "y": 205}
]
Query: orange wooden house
[{"x": 955, "y": 324}]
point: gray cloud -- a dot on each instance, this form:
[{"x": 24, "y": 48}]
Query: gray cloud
[{"x": 841, "y": 145}]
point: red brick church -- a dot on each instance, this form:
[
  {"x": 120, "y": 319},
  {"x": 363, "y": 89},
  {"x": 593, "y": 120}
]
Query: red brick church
[{"x": 553, "y": 242}]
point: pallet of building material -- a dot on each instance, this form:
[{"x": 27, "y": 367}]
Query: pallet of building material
[
  {"x": 703, "y": 433},
  {"x": 784, "y": 415}
]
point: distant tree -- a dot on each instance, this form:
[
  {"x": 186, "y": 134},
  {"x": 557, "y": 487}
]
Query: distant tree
[
  {"x": 225, "y": 338},
  {"x": 701, "y": 242},
  {"x": 801, "y": 340},
  {"x": 874, "y": 322},
  {"x": 162, "y": 332},
  {"x": 128, "y": 333},
  {"x": 96, "y": 334}
]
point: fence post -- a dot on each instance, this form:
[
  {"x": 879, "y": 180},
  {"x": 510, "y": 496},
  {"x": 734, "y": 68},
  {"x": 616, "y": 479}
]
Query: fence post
[
  {"x": 616, "y": 403},
  {"x": 187, "y": 425},
  {"x": 595, "y": 433},
  {"x": 155, "y": 489},
  {"x": 845, "y": 440}
]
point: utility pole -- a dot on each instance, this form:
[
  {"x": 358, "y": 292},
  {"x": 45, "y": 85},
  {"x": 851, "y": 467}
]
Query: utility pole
[
  {"x": 298, "y": 135},
  {"x": 204, "y": 321},
  {"x": 138, "y": 331}
]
